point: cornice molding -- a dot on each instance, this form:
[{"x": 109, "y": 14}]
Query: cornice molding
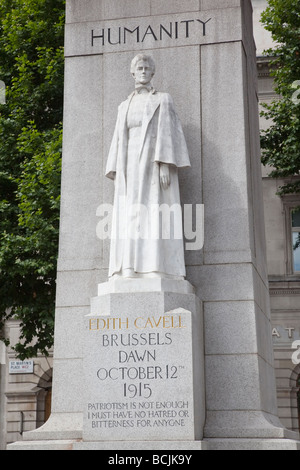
[{"x": 263, "y": 66}]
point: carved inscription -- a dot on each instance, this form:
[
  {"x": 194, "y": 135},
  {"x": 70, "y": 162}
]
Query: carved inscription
[
  {"x": 142, "y": 376},
  {"x": 172, "y": 30}
]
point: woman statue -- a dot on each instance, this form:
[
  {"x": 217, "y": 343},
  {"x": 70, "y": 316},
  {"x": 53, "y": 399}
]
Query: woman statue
[{"x": 147, "y": 149}]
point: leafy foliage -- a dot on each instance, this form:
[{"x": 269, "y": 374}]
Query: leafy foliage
[
  {"x": 281, "y": 142},
  {"x": 31, "y": 66}
]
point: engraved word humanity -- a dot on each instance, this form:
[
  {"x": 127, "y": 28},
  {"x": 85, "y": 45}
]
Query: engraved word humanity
[{"x": 138, "y": 34}]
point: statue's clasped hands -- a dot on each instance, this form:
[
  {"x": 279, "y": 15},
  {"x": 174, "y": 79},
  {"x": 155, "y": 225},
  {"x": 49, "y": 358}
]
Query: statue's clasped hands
[{"x": 164, "y": 175}]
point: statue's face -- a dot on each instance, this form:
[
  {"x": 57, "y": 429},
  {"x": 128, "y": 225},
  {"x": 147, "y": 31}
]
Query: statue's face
[{"x": 143, "y": 72}]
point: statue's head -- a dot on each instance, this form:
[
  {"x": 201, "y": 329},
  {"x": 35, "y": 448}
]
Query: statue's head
[{"x": 142, "y": 69}]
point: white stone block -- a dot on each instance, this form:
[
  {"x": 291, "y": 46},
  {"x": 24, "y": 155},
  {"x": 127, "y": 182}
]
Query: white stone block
[
  {"x": 230, "y": 328},
  {"x": 67, "y": 393},
  {"x": 232, "y": 382},
  {"x": 154, "y": 347},
  {"x": 215, "y": 4},
  {"x": 139, "y": 387},
  {"x": 68, "y": 332},
  {"x": 152, "y": 32},
  {"x": 254, "y": 444},
  {"x": 173, "y": 6}
]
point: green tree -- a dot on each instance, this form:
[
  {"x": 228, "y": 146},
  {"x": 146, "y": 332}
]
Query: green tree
[
  {"x": 281, "y": 142},
  {"x": 31, "y": 66}
]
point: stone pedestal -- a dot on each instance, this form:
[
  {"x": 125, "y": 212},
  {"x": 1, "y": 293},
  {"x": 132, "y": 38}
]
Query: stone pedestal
[
  {"x": 143, "y": 370},
  {"x": 144, "y": 365}
]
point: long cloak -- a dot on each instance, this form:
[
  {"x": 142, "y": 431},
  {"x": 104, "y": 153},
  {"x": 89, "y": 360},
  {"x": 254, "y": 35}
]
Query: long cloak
[{"x": 162, "y": 141}]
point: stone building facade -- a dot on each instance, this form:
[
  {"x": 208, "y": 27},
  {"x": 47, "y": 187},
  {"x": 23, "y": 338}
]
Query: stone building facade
[
  {"x": 25, "y": 390},
  {"x": 282, "y": 225},
  {"x": 25, "y": 394}
]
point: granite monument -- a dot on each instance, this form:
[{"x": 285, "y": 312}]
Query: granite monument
[{"x": 122, "y": 344}]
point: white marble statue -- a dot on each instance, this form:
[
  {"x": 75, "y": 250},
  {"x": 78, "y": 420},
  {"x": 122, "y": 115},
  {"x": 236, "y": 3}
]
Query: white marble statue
[{"x": 147, "y": 149}]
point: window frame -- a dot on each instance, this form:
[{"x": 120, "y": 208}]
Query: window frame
[
  {"x": 294, "y": 230},
  {"x": 290, "y": 203}
]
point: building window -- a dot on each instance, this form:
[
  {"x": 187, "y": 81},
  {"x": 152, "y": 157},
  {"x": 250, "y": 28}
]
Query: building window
[
  {"x": 48, "y": 399},
  {"x": 291, "y": 210},
  {"x": 296, "y": 239}
]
